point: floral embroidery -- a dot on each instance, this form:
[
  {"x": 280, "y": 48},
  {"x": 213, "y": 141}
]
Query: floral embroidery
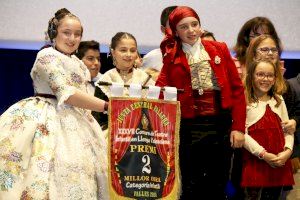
[
  {"x": 26, "y": 196},
  {"x": 45, "y": 166},
  {"x": 11, "y": 158},
  {"x": 17, "y": 123},
  {"x": 76, "y": 78},
  {"x": 20, "y": 114},
  {"x": 70, "y": 123},
  {"x": 31, "y": 114},
  {"x": 6, "y": 180},
  {"x": 5, "y": 146},
  {"x": 40, "y": 186},
  {"x": 47, "y": 59},
  {"x": 53, "y": 83},
  {"x": 38, "y": 189},
  {"x": 14, "y": 156},
  {"x": 76, "y": 193},
  {"x": 41, "y": 130}
]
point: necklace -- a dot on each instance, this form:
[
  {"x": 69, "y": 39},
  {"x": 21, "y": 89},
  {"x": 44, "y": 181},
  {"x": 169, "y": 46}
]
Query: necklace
[
  {"x": 62, "y": 52},
  {"x": 126, "y": 75}
]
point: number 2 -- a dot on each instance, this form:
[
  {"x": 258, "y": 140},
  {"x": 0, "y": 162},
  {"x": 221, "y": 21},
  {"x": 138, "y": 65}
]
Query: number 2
[{"x": 147, "y": 167}]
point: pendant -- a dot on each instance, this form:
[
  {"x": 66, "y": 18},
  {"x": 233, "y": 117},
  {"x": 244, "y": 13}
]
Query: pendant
[{"x": 200, "y": 91}]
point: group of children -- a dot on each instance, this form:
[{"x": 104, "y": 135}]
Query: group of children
[{"x": 53, "y": 148}]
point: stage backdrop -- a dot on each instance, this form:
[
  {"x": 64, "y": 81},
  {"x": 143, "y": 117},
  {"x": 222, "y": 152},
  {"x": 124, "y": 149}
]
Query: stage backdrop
[{"x": 23, "y": 22}]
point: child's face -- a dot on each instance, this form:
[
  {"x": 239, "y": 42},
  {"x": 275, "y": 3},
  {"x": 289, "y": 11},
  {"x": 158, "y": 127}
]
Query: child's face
[
  {"x": 264, "y": 78},
  {"x": 125, "y": 53},
  {"x": 68, "y": 35},
  {"x": 267, "y": 50},
  {"x": 188, "y": 30},
  {"x": 91, "y": 59}
]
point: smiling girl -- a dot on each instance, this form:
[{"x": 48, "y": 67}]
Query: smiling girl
[
  {"x": 50, "y": 145},
  {"x": 124, "y": 52},
  {"x": 266, "y": 168}
]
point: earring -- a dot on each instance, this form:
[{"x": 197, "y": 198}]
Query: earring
[
  {"x": 53, "y": 43},
  {"x": 114, "y": 61}
]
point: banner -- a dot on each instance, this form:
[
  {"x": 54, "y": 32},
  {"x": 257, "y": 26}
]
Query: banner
[{"x": 143, "y": 149}]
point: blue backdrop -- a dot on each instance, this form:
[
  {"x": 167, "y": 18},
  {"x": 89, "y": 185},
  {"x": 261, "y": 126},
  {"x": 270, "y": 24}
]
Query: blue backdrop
[{"x": 16, "y": 84}]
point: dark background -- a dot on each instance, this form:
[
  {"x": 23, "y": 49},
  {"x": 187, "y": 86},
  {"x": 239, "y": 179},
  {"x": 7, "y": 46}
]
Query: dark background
[
  {"x": 16, "y": 83},
  {"x": 15, "y": 80}
]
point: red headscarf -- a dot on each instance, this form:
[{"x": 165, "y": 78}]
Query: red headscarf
[{"x": 171, "y": 43}]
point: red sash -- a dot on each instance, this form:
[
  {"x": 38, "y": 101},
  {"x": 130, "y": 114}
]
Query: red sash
[{"x": 207, "y": 104}]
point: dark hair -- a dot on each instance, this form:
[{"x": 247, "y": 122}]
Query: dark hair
[
  {"x": 54, "y": 22},
  {"x": 84, "y": 46},
  {"x": 117, "y": 38},
  {"x": 208, "y": 34},
  {"x": 165, "y": 15},
  {"x": 249, "y": 82},
  {"x": 243, "y": 38}
]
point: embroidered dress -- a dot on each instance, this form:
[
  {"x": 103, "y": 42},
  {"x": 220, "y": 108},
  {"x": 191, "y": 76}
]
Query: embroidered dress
[
  {"x": 258, "y": 173},
  {"x": 137, "y": 76},
  {"x": 50, "y": 150}
]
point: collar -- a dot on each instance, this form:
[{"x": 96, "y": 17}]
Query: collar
[
  {"x": 195, "y": 53},
  {"x": 192, "y": 49}
]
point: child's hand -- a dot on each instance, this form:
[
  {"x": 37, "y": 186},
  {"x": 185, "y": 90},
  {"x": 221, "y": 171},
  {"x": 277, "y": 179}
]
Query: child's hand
[
  {"x": 269, "y": 157},
  {"x": 289, "y": 126},
  {"x": 282, "y": 157},
  {"x": 237, "y": 139}
]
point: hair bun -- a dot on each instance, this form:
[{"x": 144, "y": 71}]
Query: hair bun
[{"x": 62, "y": 11}]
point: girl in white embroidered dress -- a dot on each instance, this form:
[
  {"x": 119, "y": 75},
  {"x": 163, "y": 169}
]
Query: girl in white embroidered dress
[{"x": 50, "y": 145}]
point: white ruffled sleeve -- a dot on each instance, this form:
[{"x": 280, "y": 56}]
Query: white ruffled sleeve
[{"x": 50, "y": 69}]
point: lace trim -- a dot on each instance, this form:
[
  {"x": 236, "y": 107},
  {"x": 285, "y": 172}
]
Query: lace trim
[{"x": 64, "y": 97}]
